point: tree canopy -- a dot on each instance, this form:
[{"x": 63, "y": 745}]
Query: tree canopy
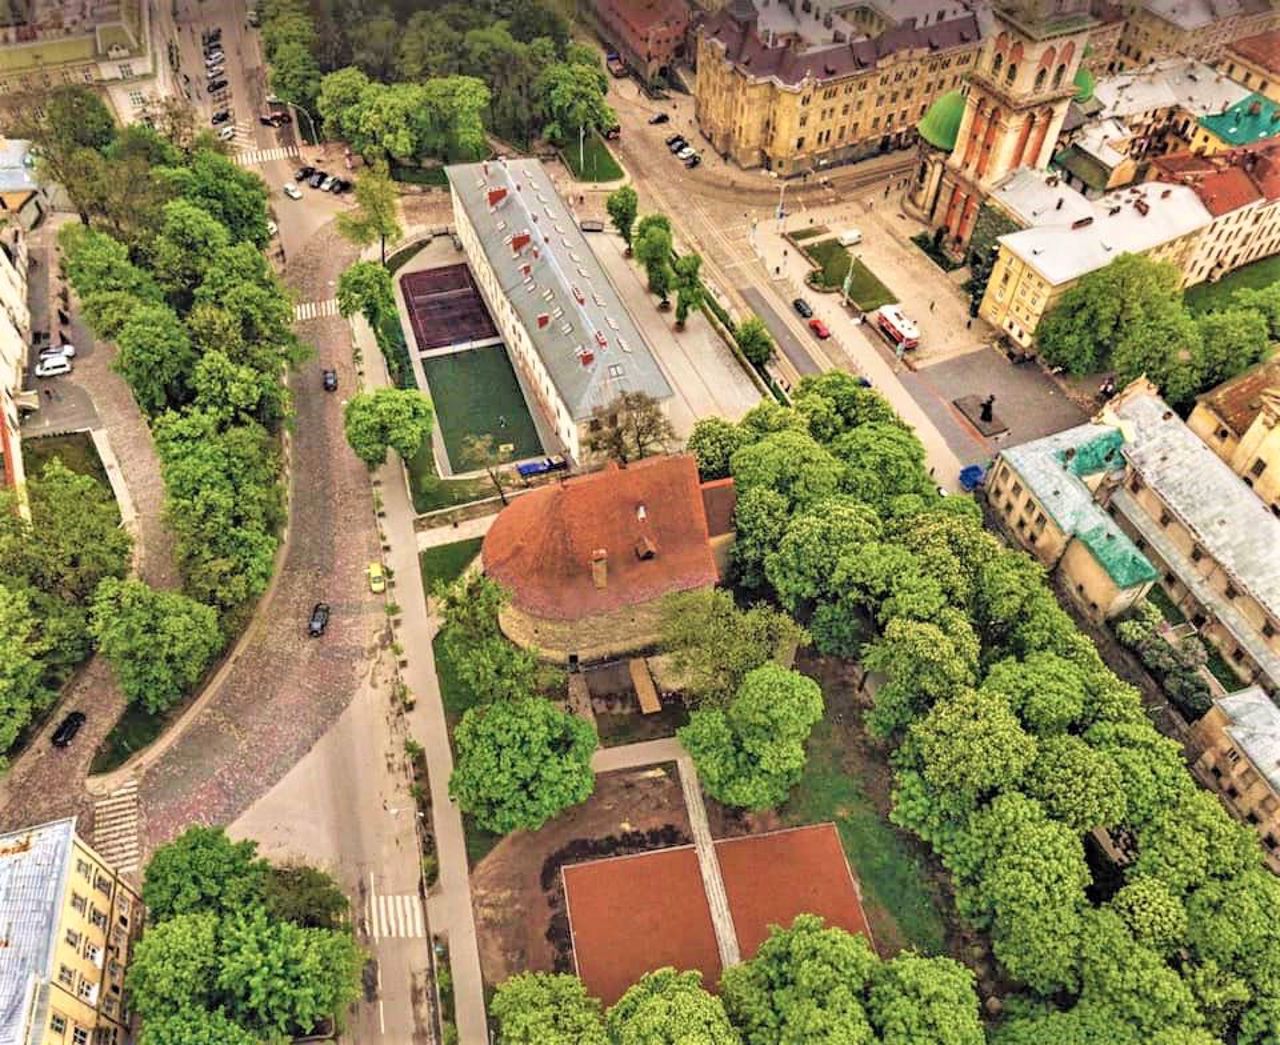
[
  {"x": 667, "y": 1007},
  {"x": 538, "y": 1008},
  {"x": 398, "y": 419}
]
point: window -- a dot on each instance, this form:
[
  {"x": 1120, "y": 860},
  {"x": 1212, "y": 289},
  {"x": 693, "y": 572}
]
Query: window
[
  {"x": 800, "y": 143},
  {"x": 99, "y": 918},
  {"x": 1237, "y": 654},
  {"x": 996, "y": 63},
  {"x": 1268, "y": 630},
  {"x": 1041, "y": 76},
  {"x": 1233, "y": 755},
  {"x": 1222, "y": 433},
  {"x": 58, "y": 1024},
  {"x": 1135, "y": 483},
  {"x": 1258, "y": 467},
  {"x": 1016, "y": 491},
  {"x": 66, "y": 975},
  {"x": 80, "y": 1036},
  {"x": 1165, "y": 518},
  {"x": 1012, "y": 72},
  {"x": 73, "y": 939},
  {"x": 1197, "y": 553},
  {"x": 1230, "y": 591},
  {"x": 83, "y": 868},
  {"x": 78, "y": 902}
]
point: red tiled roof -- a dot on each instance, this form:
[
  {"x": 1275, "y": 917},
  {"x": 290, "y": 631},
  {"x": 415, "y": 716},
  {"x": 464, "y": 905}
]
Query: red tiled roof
[
  {"x": 642, "y": 15},
  {"x": 1239, "y": 400},
  {"x": 1227, "y": 180},
  {"x": 541, "y": 546},
  {"x": 1263, "y": 50},
  {"x": 1226, "y": 190},
  {"x": 719, "y": 499}
]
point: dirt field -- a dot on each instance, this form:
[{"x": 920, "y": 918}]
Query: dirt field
[{"x": 516, "y": 889}]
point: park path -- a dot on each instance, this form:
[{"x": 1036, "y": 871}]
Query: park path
[{"x": 463, "y": 531}]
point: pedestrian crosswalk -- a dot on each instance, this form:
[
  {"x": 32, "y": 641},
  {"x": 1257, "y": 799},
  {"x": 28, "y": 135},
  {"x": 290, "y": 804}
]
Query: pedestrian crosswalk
[
  {"x": 396, "y": 916},
  {"x": 252, "y": 157},
  {"x": 115, "y": 828},
  {"x": 315, "y": 309}
]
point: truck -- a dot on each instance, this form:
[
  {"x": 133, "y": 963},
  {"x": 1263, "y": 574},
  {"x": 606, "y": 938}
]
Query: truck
[
  {"x": 895, "y": 326},
  {"x": 529, "y": 469}
]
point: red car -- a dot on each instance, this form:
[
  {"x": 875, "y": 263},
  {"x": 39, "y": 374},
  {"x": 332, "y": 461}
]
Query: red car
[{"x": 819, "y": 328}]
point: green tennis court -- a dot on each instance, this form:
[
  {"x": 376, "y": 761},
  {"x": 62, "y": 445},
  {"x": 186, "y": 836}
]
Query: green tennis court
[{"x": 475, "y": 392}]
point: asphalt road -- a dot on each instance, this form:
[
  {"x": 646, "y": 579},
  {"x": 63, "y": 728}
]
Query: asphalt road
[{"x": 791, "y": 346}]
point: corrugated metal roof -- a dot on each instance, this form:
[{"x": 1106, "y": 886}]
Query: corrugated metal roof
[
  {"x": 33, "y": 875},
  {"x": 583, "y": 318}
]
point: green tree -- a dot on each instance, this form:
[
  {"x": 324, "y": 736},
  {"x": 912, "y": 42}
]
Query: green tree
[
  {"x": 1046, "y": 691},
  {"x": 236, "y": 197},
  {"x": 882, "y": 461},
  {"x": 366, "y": 287},
  {"x": 281, "y": 979},
  {"x": 375, "y": 217},
  {"x": 189, "y": 238},
  {"x": 835, "y": 402},
  {"x": 712, "y": 442},
  {"x": 1194, "y": 841},
  {"x": 1077, "y": 784},
  {"x": 1166, "y": 346},
  {"x": 688, "y": 283},
  {"x": 480, "y": 451},
  {"x": 158, "y": 643},
  {"x": 760, "y": 519},
  {"x": 305, "y": 896},
  {"x": 571, "y": 100},
  {"x": 652, "y": 245},
  {"x": 806, "y": 565},
  {"x": 917, "y": 999},
  {"x": 387, "y": 418},
  {"x": 520, "y": 763},
  {"x": 631, "y": 426},
  {"x": 96, "y": 262},
  {"x": 789, "y": 462},
  {"x": 1232, "y": 340},
  {"x": 236, "y": 392},
  {"x": 155, "y": 357},
  {"x": 1099, "y": 310},
  {"x": 622, "y": 205},
  {"x": 1265, "y": 300},
  {"x": 666, "y": 1007},
  {"x": 195, "y": 1026},
  {"x": 714, "y": 645},
  {"x": 1156, "y": 918},
  {"x": 21, "y": 692},
  {"x": 202, "y": 871},
  {"x": 1151, "y": 766},
  {"x": 294, "y": 74},
  {"x": 63, "y": 124},
  {"x": 174, "y": 965},
  {"x": 339, "y": 104},
  {"x": 754, "y": 339},
  {"x": 429, "y": 46},
  {"x": 751, "y": 752},
  {"x": 925, "y": 662},
  {"x": 539, "y": 1008}
]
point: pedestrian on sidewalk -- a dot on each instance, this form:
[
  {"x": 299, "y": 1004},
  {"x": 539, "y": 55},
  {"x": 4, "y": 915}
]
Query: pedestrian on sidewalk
[{"x": 932, "y": 305}]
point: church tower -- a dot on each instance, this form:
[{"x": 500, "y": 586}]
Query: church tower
[{"x": 1017, "y": 99}]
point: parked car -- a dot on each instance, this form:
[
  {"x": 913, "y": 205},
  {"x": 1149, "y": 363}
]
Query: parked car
[
  {"x": 253, "y": 19},
  {"x": 819, "y": 328},
  {"x": 292, "y": 191},
  {"x": 327, "y": 184},
  {"x": 266, "y": 120},
  {"x": 659, "y": 117},
  {"x": 66, "y": 351},
  {"x": 221, "y": 116},
  {"x": 329, "y": 378},
  {"x": 317, "y": 179},
  {"x": 54, "y": 366},
  {"x": 210, "y": 36},
  {"x": 304, "y": 173},
  {"x": 686, "y": 152},
  {"x": 693, "y": 161},
  {"x": 849, "y": 238},
  {"x": 68, "y": 728},
  {"x": 613, "y": 133},
  {"x": 528, "y": 469},
  {"x": 802, "y": 308},
  {"x": 677, "y": 145},
  {"x": 319, "y": 620},
  {"x": 217, "y": 85},
  {"x": 272, "y": 227},
  {"x": 340, "y": 185},
  {"x": 377, "y": 578},
  {"x": 227, "y": 133}
]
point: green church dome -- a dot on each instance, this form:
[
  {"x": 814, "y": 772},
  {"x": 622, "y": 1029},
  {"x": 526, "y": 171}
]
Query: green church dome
[
  {"x": 1084, "y": 82},
  {"x": 941, "y": 123}
]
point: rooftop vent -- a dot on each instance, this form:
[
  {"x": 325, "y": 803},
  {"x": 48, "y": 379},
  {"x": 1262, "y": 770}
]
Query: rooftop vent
[
  {"x": 1081, "y": 223},
  {"x": 543, "y": 320},
  {"x": 641, "y": 514},
  {"x": 1255, "y": 107},
  {"x": 1166, "y": 194},
  {"x": 578, "y": 295},
  {"x": 519, "y": 241},
  {"x": 586, "y": 357},
  {"x": 1142, "y": 207},
  {"x": 645, "y": 549},
  {"x": 496, "y": 196}
]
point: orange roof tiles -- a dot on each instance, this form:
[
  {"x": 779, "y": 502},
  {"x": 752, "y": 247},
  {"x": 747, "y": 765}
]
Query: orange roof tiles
[
  {"x": 1226, "y": 190},
  {"x": 542, "y": 545},
  {"x": 1239, "y": 400},
  {"x": 1262, "y": 49}
]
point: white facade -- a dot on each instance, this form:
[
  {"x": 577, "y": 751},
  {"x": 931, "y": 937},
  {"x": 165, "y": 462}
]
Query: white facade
[{"x": 15, "y": 333}]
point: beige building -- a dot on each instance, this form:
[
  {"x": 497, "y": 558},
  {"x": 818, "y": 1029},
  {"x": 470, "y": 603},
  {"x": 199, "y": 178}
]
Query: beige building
[
  {"x": 1236, "y": 751},
  {"x": 69, "y": 922},
  {"x": 1255, "y": 62},
  {"x": 562, "y": 322},
  {"x": 1036, "y": 266},
  {"x": 1044, "y": 491},
  {"x": 15, "y": 336},
  {"x": 1210, "y": 536},
  {"x": 1240, "y": 422},
  {"x": 796, "y": 91},
  {"x": 1192, "y": 28}
]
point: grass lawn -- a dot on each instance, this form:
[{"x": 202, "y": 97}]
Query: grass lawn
[
  {"x": 419, "y": 175},
  {"x": 1157, "y": 597},
  {"x": 445, "y": 562},
  {"x": 631, "y": 727},
  {"x": 430, "y": 492},
  {"x": 810, "y": 233},
  {"x": 479, "y": 841},
  {"x": 902, "y": 907},
  {"x": 865, "y": 290},
  {"x": 75, "y": 450},
  {"x": 597, "y": 162},
  {"x": 1207, "y": 297},
  {"x": 475, "y": 392},
  {"x": 136, "y": 729}
]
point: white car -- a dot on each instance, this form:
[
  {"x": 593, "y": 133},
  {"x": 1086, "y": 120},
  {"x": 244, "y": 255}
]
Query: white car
[
  {"x": 327, "y": 184},
  {"x": 272, "y": 228},
  {"x": 292, "y": 191},
  {"x": 227, "y": 133},
  {"x": 686, "y": 152},
  {"x": 53, "y": 366},
  {"x": 66, "y": 351}
]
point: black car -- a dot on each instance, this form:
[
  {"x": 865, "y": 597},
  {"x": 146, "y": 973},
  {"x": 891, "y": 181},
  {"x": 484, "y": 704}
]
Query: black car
[
  {"x": 330, "y": 379},
  {"x": 340, "y": 185},
  {"x": 68, "y": 728},
  {"x": 304, "y": 173},
  {"x": 216, "y": 85},
  {"x": 802, "y": 308},
  {"x": 221, "y": 116},
  {"x": 613, "y": 133},
  {"x": 317, "y": 179},
  {"x": 659, "y": 117},
  {"x": 672, "y": 139},
  {"x": 677, "y": 145},
  {"x": 319, "y": 620},
  {"x": 693, "y": 161}
]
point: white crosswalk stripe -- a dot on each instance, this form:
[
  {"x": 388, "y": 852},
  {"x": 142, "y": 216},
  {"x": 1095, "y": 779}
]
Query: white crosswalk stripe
[
  {"x": 396, "y": 916},
  {"x": 252, "y": 157},
  {"x": 315, "y": 309},
  {"x": 115, "y": 828}
]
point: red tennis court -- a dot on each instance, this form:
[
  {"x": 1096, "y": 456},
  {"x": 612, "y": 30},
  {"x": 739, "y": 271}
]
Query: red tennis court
[{"x": 445, "y": 308}]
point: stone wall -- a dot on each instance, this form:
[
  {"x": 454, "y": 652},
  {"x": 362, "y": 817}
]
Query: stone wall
[{"x": 626, "y": 631}]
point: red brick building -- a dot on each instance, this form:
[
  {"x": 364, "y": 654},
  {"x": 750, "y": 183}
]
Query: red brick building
[{"x": 649, "y": 34}]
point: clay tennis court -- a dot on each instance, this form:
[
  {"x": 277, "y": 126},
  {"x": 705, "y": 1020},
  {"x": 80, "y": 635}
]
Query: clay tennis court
[
  {"x": 631, "y": 914},
  {"x": 445, "y": 308}
]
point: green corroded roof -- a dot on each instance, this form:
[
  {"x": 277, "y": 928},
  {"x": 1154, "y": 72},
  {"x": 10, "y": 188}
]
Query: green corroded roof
[
  {"x": 1089, "y": 169},
  {"x": 1251, "y": 119},
  {"x": 941, "y": 124},
  {"x": 1054, "y": 469},
  {"x": 1084, "y": 82}
]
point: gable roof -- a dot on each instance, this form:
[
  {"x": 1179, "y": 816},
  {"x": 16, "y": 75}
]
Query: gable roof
[
  {"x": 1239, "y": 400},
  {"x": 541, "y": 545},
  {"x": 1254, "y": 724},
  {"x": 1261, "y": 49}
]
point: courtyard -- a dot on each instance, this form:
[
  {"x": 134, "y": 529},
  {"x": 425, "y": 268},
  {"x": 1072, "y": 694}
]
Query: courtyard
[{"x": 476, "y": 394}]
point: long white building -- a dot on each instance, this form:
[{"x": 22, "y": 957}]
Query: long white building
[
  {"x": 15, "y": 336},
  {"x": 561, "y": 318}
]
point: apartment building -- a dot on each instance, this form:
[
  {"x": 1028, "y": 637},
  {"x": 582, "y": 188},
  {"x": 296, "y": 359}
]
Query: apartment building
[
  {"x": 1249, "y": 122},
  {"x": 649, "y": 34},
  {"x": 1255, "y": 62},
  {"x": 1035, "y": 266},
  {"x": 1044, "y": 491},
  {"x": 1236, "y": 752},
  {"x": 798, "y": 90},
  {"x": 1202, "y": 29},
  {"x": 70, "y": 923},
  {"x": 1208, "y": 534},
  {"x": 15, "y": 336},
  {"x": 563, "y": 323},
  {"x": 1240, "y": 422}
]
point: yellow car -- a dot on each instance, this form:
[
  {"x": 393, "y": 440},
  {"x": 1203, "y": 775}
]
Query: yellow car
[{"x": 377, "y": 579}]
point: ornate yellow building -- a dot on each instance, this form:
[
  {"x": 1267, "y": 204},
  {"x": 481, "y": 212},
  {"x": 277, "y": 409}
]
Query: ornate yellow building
[
  {"x": 1191, "y": 28},
  {"x": 69, "y": 924},
  {"x": 793, "y": 96}
]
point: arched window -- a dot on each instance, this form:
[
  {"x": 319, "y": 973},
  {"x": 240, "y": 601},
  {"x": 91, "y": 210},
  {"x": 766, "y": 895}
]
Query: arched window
[
  {"x": 1059, "y": 74},
  {"x": 996, "y": 63},
  {"x": 1013, "y": 72},
  {"x": 1041, "y": 76}
]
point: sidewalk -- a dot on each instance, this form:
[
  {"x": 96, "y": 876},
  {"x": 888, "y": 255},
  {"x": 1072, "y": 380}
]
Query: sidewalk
[{"x": 464, "y": 531}]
